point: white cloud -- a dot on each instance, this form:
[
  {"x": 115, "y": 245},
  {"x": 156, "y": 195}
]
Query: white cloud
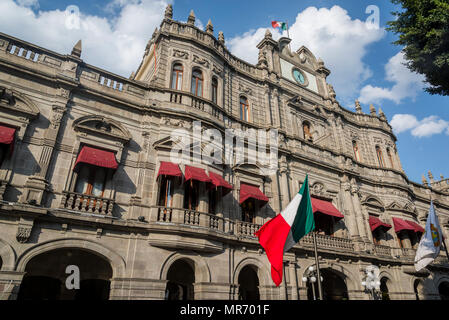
[
  {"x": 426, "y": 127},
  {"x": 330, "y": 34},
  {"x": 406, "y": 83},
  {"x": 116, "y": 44}
]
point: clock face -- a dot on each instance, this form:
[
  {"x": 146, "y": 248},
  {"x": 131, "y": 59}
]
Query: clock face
[{"x": 299, "y": 77}]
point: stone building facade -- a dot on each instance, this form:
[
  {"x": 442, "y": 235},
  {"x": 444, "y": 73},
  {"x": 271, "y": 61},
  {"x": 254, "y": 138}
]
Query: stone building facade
[{"x": 87, "y": 179}]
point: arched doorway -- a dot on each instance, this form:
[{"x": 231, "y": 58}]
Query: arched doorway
[
  {"x": 385, "y": 295},
  {"x": 248, "y": 284},
  {"x": 46, "y": 276},
  {"x": 443, "y": 290},
  {"x": 181, "y": 277},
  {"x": 334, "y": 287}
]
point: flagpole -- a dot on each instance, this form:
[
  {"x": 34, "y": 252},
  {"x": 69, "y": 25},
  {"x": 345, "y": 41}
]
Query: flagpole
[
  {"x": 288, "y": 35},
  {"x": 320, "y": 291}
]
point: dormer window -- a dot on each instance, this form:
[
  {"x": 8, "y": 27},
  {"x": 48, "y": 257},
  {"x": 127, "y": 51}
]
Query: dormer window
[{"x": 307, "y": 131}]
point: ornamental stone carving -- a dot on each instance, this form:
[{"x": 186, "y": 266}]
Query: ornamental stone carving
[
  {"x": 23, "y": 234},
  {"x": 201, "y": 61},
  {"x": 180, "y": 54}
]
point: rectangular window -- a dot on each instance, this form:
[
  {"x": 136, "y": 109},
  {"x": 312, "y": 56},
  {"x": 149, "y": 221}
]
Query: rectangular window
[
  {"x": 212, "y": 201},
  {"x": 91, "y": 180},
  {"x": 166, "y": 192},
  {"x": 191, "y": 191},
  {"x": 249, "y": 210}
]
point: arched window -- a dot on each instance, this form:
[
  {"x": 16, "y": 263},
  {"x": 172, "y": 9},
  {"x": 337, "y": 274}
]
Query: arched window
[
  {"x": 355, "y": 147},
  {"x": 214, "y": 90},
  {"x": 197, "y": 82},
  {"x": 380, "y": 157},
  {"x": 306, "y": 130},
  {"x": 244, "y": 109},
  {"x": 390, "y": 158},
  {"x": 176, "y": 78}
]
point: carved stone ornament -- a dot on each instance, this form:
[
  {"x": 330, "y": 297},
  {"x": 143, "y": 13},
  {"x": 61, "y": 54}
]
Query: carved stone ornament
[
  {"x": 245, "y": 89},
  {"x": 217, "y": 69},
  {"x": 318, "y": 189},
  {"x": 180, "y": 54},
  {"x": 23, "y": 234},
  {"x": 201, "y": 61},
  {"x": 296, "y": 100}
]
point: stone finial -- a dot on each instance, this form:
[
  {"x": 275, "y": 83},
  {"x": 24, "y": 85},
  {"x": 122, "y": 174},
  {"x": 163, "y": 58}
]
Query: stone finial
[
  {"x": 320, "y": 62},
  {"x": 132, "y": 75},
  {"x": 332, "y": 93},
  {"x": 424, "y": 180},
  {"x": 442, "y": 177},
  {"x": 358, "y": 107},
  {"x": 372, "y": 110},
  {"x": 382, "y": 114},
  {"x": 430, "y": 176},
  {"x": 76, "y": 51},
  {"x": 169, "y": 12},
  {"x": 268, "y": 34},
  {"x": 221, "y": 37},
  {"x": 191, "y": 18},
  {"x": 209, "y": 27},
  {"x": 154, "y": 33}
]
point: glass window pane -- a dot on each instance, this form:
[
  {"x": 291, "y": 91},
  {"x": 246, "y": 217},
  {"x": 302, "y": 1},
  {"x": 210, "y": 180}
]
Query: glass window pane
[
  {"x": 98, "y": 183},
  {"x": 82, "y": 180},
  {"x": 200, "y": 88}
]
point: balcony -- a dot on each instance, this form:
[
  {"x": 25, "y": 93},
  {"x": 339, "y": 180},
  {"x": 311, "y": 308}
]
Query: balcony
[
  {"x": 383, "y": 251},
  {"x": 86, "y": 203},
  {"x": 328, "y": 242}
]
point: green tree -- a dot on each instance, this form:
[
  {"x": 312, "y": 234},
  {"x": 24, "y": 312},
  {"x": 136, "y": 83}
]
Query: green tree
[{"x": 423, "y": 28}]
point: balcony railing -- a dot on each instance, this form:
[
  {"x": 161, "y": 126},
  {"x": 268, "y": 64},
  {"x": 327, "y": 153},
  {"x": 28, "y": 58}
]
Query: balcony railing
[
  {"x": 246, "y": 229},
  {"x": 382, "y": 250},
  {"x": 87, "y": 203},
  {"x": 328, "y": 242}
]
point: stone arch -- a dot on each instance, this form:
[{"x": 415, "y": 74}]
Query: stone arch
[
  {"x": 8, "y": 256},
  {"x": 394, "y": 285},
  {"x": 117, "y": 262},
  {"x": 263, "y": 273},
  {"x": 202, "y": 271},
  {"x": 103, "y": 126},
  {"x": 349, "y": 277},
  {"x": 20, "y": 102},
  {"x": 373, "y": 201}
]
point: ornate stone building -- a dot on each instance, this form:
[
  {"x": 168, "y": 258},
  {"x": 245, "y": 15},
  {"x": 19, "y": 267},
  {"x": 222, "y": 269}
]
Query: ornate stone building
[{"x": 86, "y": 177}]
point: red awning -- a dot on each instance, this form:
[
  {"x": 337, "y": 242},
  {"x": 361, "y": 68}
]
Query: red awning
[
  {"x": 247, "y": 191},
  {"x": 7, "y": 135},
  {"x": 400, "y": 225},
  {"x": 375, "y": 223},
  {"x": 197, "y": 174},
  {"x": 325, "y": 207},
  {"x": 417, "y": 227},
  {"x": 218, "y": 181},
  {"x": 97, "y": 157},
  {"x": 169, "y": 169}
]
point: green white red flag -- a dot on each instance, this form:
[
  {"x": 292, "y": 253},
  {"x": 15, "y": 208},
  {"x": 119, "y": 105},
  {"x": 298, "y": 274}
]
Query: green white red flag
[
  {"x": 283, "y": 231},
  {"x": 279, "y": 24}
]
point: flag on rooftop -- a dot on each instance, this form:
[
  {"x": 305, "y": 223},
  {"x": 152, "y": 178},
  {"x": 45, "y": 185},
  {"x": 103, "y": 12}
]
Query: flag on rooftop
[{"x": 279, "y": 24}]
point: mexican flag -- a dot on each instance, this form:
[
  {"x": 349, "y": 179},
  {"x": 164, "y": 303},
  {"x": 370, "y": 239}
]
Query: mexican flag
[
  {"x": 278, "y": 24},
  {"x": 283, "y": 231}
]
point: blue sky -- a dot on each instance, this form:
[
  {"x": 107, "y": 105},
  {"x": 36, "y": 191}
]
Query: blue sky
[{"x": 365, "y": 64}]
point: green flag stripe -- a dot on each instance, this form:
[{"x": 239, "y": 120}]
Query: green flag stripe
[{"x": 304, "y": 222}]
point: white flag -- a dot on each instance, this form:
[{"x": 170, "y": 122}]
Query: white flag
[{"x": 430, "y": 244}]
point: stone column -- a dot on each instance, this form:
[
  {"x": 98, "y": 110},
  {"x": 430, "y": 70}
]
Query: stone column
[
  {"x": 37, "y": 184},
  {"x": 293, "y": 280},
  {"x": 275, "y": 108},
  {"x": 350, "y": 218},
  {"x": 361, "y": 221}
]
